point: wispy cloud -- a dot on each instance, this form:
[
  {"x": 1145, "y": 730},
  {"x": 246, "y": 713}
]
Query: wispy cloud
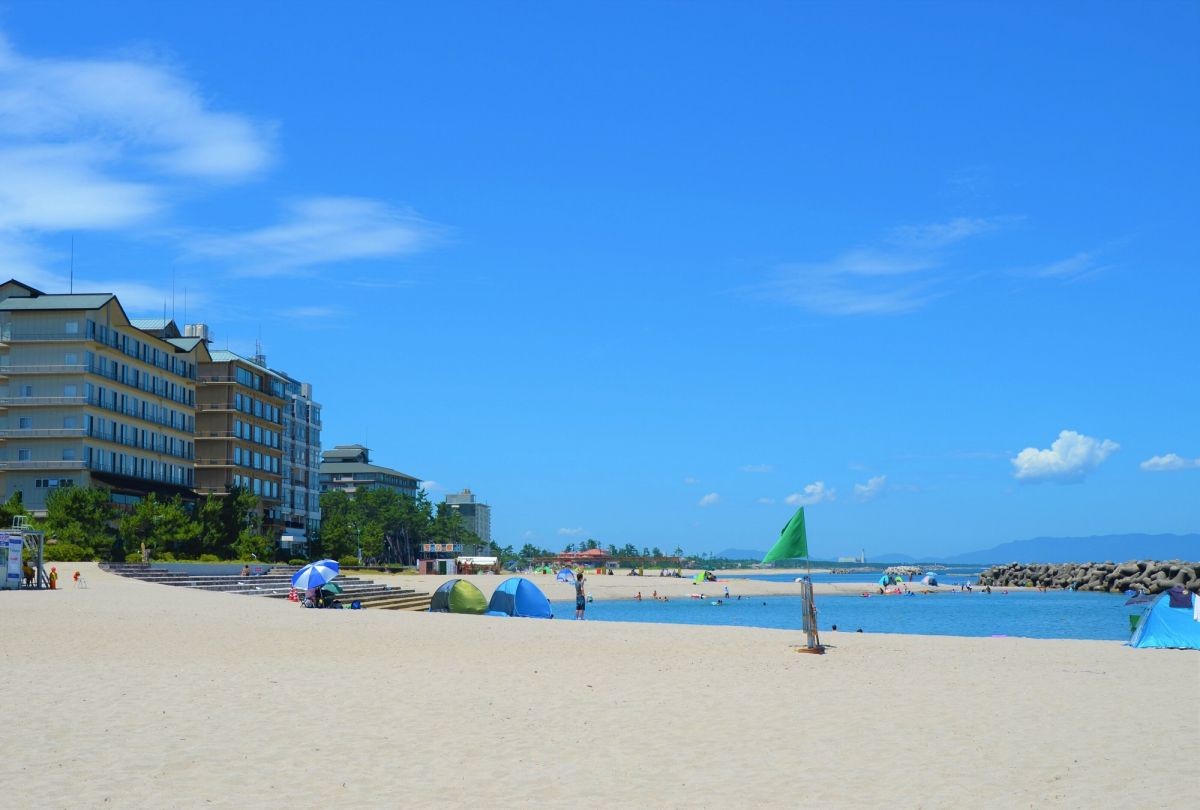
[
  {"x": 430, "y": 486},
  {"x": 570, "y": 532},
  {"x": 757, "y": 468},
  {"x": 1069, "y": 459},
  {"x": 690, "y": 481},
  {"x": 1073, "y": 268},
  {"x": 111, "y": 144},
  {"x": 765, "y": 501},
  {"x": 711, "y": 499},
  {"x": 135, "y": 111},
  {"x": 321, "y": 231},
  {"x": 312, "y": 312},
  {"x": 870, "y": 490},
  {"x": 902, "y": 273},
  {"x": 811, "y": 495},
  {"x": 1169, "y": 463}
]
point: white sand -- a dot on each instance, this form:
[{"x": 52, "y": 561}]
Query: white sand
[{"x": 130, "y": 694}]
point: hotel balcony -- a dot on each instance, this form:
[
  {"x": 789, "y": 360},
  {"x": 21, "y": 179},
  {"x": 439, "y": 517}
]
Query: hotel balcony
[
  {"x": 77, "y": 368},
  {"x": 42, "y": 433},
  {"x": 16, "y": 402},
  {"x": 42, "y": 465}
]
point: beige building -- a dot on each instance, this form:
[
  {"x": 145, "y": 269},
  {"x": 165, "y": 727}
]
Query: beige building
[
  {"x": 239, "y": 432},
  {"x": 87, "y": 398}
]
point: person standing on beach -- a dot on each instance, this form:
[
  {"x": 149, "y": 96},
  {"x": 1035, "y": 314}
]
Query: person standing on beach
[{"x": 580, "y": 599}]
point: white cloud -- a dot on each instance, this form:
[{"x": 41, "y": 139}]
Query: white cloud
[
  {"x": 710, "y": 499},
  {"x": 757, "y": 468},
  {"x": 1169, "y": 462},
  {"x": 765, "y": 501},
  {"x": 570, "y": 532},
  {"x": 60, "y": 187},
  {"x": 320, "y": 231},
  {"x": 901, "y": 275},
  {"x": 143, "y": 111},
  {"x": 690, "y": 481},
  {"x": 430, "y": 486},
  {"x": 872, "y": 489},
  {"x": 1080, "y": 265},
  {"x": 1070, "y": 458},
  {"x": 311, "y": 312},
  {"x": 813, "y": 493}
]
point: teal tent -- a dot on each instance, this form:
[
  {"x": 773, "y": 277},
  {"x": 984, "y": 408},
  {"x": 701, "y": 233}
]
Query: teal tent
[
  {"x": 457, "y": 596},
  {"x": 1170, "y": 627}
]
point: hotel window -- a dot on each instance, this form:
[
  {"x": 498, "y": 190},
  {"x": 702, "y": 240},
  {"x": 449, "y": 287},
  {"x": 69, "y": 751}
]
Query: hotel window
[
  {"x": 26, "y": 390},
  {"x": 72, "y": 327},
  {"x": 71, "y": 359},
  {"x": 25, "y": 423},
  {"x": 68, "y": 454},
  {"x": 69, "y": 422},
  {"x": 70, "y": 390},
  {"x": 24, "y": 454}
]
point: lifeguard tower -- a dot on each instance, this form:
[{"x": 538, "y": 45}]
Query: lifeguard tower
[{"x": 14, "y": 541}]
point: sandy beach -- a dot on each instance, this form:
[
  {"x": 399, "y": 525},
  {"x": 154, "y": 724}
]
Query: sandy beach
[{"x": 131, "y": 694}]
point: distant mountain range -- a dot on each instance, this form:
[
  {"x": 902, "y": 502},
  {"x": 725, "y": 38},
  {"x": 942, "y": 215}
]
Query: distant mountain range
[{"x": 1099, "y": 548}]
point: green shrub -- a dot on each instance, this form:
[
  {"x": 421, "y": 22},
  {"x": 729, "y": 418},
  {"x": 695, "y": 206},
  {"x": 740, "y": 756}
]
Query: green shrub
[
  {"x": 166, "y": 556},
  {"x": 297, "y": 562},
  {"x": 66, "y": 552},
  {"x": 348, "y": 560},
  {"x": 133, "y": 557},
  {"x": 209, "y": 558}
]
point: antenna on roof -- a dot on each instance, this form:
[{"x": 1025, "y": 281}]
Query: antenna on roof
[{"x": 71, "y": 289}]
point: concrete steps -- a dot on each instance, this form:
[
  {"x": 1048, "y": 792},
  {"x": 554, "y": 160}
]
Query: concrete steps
[{"x": 276, "y": 583}]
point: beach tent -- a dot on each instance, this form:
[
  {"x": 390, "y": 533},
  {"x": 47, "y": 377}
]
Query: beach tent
[
  {"x": 930, "y": 578},
  {"x": 704, "y": 576},
  {"x": 1166, "y": 626},
  {"x": 517, "y": 596},
  {"x": 457, "y": 596},
  {"x": 566, "y": 575}
]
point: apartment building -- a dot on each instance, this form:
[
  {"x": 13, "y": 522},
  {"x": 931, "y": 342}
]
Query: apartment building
[
  {"x": 300, "y": 505},
  {"x": 477, "y": 516},
  {"x": 239, "y": 431},
  {"x": 87, "y": 398}
]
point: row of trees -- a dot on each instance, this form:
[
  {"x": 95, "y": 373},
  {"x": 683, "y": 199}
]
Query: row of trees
[
  {"x": 385, "y": 526},
  {"x": 85, "y": 524}
]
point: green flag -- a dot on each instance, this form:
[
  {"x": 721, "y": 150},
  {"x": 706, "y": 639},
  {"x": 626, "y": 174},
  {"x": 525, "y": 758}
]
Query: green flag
[{"x": 793, "y": 540}]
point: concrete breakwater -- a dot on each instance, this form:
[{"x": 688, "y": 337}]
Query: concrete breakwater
[{"x": 1147, "y": 576}]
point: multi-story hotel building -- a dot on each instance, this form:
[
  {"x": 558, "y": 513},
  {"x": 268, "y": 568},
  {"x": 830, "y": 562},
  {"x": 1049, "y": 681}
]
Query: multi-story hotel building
[
  {"x": 300, "y": 506},
  {"x": 87, "y": 398},
  {"x": 239, "y": 431},
  {"x": 348, "y": 467},
  {"x": 477, "y": 517}
]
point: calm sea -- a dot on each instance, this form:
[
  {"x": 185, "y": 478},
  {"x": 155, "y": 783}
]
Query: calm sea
[{"x": 1052, "y": 614}]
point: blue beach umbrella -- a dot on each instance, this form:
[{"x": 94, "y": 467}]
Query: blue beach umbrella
[{"x": 313, "y": 575}]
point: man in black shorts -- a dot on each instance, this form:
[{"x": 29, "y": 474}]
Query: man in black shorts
[{"x": 580, "y": 598}]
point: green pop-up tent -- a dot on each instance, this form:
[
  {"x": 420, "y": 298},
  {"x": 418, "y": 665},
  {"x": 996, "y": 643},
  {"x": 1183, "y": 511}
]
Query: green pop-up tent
[{"x": 457, "y": 596}]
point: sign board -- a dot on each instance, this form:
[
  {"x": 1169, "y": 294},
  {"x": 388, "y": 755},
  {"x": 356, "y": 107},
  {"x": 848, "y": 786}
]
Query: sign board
[
  {"x": 455, "y": 548},
  {"x": 12, "y": 545}
]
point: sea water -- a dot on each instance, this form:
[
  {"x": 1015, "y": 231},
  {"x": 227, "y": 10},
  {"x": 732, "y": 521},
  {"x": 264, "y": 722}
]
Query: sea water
[{"x": 1031, "y": 614}]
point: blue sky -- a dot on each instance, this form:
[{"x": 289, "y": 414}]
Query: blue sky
[{"x": 660, "y": 272}]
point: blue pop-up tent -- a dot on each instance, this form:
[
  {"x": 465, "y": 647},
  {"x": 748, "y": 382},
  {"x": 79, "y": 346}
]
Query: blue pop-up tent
[
  {"x": 1166, "y": 626},
  {"x": 518, "y": 596}
]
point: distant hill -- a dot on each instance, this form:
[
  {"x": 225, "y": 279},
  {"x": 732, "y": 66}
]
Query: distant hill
[
  {"x": 741, "y": 554},
  {"x": 1114, "y": 547}
]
